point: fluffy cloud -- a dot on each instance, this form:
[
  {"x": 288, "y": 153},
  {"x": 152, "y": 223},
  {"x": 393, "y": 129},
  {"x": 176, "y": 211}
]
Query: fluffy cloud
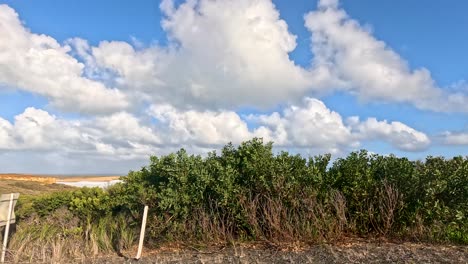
[
  {"x": 455, "y": 138},
  {"x": 117, "y": 136},
  {"x": 200, "y": 127},
  {"x": 222, "y": 53},
  {"x": 368, "y": 67},
  {"x": 6, "y": 130},
  {"x": 396, "y": 133},
  {"x": 126, "y": 127},
  {"x": 226, "y": 54},
  {"x": 38, "y": 64},
  {"x": 309, "y": 125},
  {"x": 314, "y": 125}
]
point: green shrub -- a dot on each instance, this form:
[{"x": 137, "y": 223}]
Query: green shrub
[{"x": 251, "y": 193}]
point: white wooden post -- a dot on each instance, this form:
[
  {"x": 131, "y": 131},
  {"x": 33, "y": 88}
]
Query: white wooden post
[
  {"x": 142, "y": 233},
  {"x": 7, "y": 228}
]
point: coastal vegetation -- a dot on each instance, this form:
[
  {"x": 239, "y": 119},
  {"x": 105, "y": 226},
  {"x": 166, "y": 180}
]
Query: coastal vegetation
[{"x": 250, "y": 193}]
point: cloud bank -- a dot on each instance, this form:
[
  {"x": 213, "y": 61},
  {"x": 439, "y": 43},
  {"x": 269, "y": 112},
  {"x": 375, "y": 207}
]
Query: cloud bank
[
  {"x": 124, "y": 136},
  {"x": 222, "y": 56}
]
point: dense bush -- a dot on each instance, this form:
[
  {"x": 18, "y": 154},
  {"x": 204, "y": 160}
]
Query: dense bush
[{"x": 250, "y": 193}]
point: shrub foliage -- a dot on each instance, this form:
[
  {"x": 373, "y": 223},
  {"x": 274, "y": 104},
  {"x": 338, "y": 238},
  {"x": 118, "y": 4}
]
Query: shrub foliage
[{"x": 250, "y": 193}]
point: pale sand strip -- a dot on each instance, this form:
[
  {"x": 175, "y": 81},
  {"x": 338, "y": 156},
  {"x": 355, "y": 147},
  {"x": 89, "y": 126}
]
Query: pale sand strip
[
  {"x": 88, "y": 178},
  {"x": 49, "y": 179}
]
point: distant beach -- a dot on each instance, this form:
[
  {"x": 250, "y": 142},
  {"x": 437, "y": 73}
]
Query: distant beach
[{"x": 72, "y": 180}]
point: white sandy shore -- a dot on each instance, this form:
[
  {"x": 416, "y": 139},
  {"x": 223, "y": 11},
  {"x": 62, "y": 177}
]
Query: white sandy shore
[{"x": 102, "y": 184}]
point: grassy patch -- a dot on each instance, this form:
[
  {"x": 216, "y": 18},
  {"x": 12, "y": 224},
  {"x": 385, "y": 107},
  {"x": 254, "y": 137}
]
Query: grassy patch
[{"x": 30, "y": 187}]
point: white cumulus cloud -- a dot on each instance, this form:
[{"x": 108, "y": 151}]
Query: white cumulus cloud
[
  {"x": 39, "y": 64},
  {"x": 226, "y": 54},
  {"x": 221, "y": 54},
  {"x": 200, "y": 127},
  {"x": 310, "y": 124},
  {"x": 455, "y": 138},
  {"x": 396, "y": 133},
  {"x": 368, "y": 67},
  {"x": 119, "y": 135}
]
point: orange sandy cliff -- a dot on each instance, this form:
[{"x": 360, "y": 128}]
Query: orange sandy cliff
[
  {"x": 48, "y": 179},
  {"x": 27, "y": 177}
]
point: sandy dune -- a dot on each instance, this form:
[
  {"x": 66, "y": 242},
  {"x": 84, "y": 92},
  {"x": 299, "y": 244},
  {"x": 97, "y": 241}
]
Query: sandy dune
[
  {"x": 88, "y": 178},
  {"x": 49, "y": 179}
]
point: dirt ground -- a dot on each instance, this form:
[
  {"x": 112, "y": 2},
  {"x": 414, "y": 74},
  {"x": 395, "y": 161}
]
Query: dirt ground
[{"x": 352, "y": 252}]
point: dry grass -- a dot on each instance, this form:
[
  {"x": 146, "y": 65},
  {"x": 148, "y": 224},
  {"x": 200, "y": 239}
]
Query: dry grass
[{"x": 30, "y": 187}]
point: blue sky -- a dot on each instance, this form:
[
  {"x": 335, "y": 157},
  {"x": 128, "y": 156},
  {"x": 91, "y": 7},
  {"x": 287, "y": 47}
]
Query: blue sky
[{"x": 97, "y": 86}]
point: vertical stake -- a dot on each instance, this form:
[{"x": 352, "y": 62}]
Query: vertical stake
[
  {"x": 142, "y": 233},
  {"x": 7, "y": 228}
]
